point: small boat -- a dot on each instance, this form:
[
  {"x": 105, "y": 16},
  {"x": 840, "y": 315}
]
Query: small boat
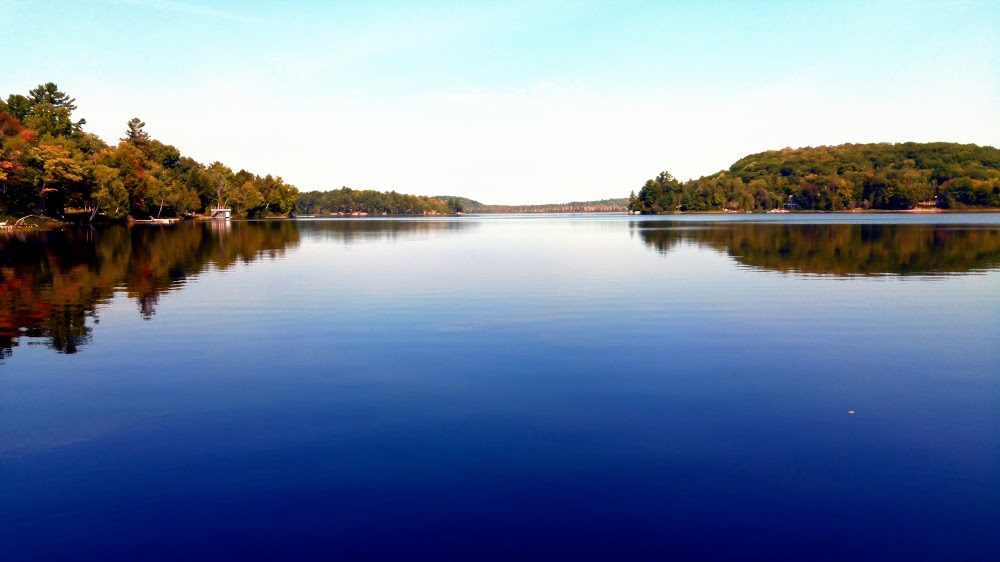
[{"x": 153, "y": 221}]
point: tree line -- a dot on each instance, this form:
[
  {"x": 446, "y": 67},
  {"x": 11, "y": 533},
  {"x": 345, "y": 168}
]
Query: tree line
[
  {"x": 50, "y": 166},
  {"x": 837, "y": 178},
  {"x": 347, "y": 201},
  {"x": 600, "y": 206}
]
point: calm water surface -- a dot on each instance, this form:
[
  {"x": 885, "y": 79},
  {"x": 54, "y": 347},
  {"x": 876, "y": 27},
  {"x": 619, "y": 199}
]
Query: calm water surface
[{"x": 512, "y": 388}]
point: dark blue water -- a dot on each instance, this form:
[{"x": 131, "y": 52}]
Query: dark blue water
[{"x": 504, "y": 388}]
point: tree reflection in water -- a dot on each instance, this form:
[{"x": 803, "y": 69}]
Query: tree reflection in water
[
  {"x": 839, "y": 249},
  {"x": 51, "y": 283}
]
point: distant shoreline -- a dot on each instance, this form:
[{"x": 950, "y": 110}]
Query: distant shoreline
[
  {"x": 917, "y": 211},
  {"x": 51, "y": 224}
]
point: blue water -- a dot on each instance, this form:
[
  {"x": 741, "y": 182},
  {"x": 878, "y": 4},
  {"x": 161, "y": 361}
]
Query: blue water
[{"x": 505, "y": 388}]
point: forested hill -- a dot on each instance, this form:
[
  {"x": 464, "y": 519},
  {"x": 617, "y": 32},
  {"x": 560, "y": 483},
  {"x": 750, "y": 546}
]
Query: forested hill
[
  {"x": 603, "y": 205},
  {"x": 836, "y": 178},
  {"x": 347, "y": 201},
  {"x": 49, "y": 165}
]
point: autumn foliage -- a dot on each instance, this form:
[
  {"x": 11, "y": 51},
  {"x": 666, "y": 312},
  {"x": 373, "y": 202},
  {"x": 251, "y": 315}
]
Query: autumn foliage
[
  {"x": 50, "y": 166},
  {"x": 837, "y": 178}
]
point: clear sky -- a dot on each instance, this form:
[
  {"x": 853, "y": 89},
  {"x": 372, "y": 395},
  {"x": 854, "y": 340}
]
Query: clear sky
[{"x": 507, "y": 101}]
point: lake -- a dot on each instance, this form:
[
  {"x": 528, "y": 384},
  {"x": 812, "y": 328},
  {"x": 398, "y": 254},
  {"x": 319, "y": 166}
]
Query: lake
[{"x": 822, "y": 387}]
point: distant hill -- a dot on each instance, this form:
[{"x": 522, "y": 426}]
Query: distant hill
[
  {"x": 603, "y": 205},
  {"x": 837, "y": 178},
  {"x": 347, "y": 201}
]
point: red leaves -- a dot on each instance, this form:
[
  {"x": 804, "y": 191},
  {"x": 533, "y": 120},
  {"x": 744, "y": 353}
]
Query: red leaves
[{"x": 9, "y": 125}]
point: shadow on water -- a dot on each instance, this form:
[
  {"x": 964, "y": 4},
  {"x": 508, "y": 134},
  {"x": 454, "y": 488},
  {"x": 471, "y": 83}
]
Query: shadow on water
[{"x": 839, "y": 249}]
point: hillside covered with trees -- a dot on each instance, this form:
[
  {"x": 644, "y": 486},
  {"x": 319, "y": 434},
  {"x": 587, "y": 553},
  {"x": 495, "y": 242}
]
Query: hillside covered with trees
[
  {"x": 49, "y": 165},
  {"x": 601, "y": 206},
  {"x": 347, "y": 201},
  {"x": 837, "y": 178}
]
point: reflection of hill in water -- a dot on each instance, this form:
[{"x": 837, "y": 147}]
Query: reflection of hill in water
[
  {"x": 841, "y": 249},
  {"x": 51, "y": 282},
  {"x": 349, "y": 231}
]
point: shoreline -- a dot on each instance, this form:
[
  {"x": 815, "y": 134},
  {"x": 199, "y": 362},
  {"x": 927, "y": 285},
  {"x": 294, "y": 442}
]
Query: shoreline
[
  {"x": 54, "y": 223},
  {"x": 844, "y": 212}
]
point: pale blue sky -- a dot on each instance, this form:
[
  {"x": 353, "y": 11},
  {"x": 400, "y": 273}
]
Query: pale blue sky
[{"x": 511, "y": 101}]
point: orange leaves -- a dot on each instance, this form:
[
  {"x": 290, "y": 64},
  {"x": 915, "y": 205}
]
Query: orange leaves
[{"x": 58, "y": 165}]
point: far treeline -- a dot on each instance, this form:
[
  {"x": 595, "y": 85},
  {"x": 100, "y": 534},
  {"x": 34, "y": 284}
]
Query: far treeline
[
  {"x": 50, "y": 166},
  {"x": 837, "y": 178},
  {"x": 601, "y": 206},
  {"x": 347, "y": 201}
]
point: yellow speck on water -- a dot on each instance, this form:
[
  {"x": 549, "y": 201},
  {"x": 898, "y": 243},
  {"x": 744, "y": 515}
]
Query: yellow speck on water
[{"x": 850, "y": 411}]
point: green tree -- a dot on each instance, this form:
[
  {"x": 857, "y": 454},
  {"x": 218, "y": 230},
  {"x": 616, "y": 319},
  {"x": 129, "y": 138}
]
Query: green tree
[
  {"x": 137, "y": 174},
  {"x": 246, "y": 197},
  {"x": 277, "y": 196},
  {"x": 111, "y": 196},
  {"x": 221, "y": 177},
  {"x": 136, "y": 135},
  {"x": 58, "y": 170},
  {"x": 164, "y": 154},
  {"x": 51, "y": 111},
  {"x": 18, "y": 106}
]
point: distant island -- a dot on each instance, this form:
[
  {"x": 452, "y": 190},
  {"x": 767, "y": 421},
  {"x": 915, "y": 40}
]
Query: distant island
[{"x": 905, "y": 176}]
